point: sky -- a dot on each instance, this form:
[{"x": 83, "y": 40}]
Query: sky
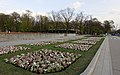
[{"x": 101, "y": 9}]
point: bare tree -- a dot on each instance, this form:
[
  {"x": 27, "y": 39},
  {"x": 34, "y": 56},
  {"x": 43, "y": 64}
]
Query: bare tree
[
  {"x": 42, "y": 23},
  {"x": 85, "y": 24},
  {"x": 67, "y": 16},
  {"x": 79, "y": 23},
  {"x": 55, "y": 19},
  {"x": 16, "y": 21}
]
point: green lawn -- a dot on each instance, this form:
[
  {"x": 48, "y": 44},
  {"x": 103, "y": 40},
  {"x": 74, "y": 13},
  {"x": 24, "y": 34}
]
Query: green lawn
[{"x": 75, "y": 69}]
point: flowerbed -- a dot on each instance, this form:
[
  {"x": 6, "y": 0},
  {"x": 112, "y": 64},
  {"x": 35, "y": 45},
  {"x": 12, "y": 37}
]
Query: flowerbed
[
  {"x": 10, "y": 49},
  {"x": 85, "y": 42},
  {"x": 44, "y": 61},
  {"x": 88, "y": 41},
  {"x": 81, "y": 47},
  {"x": 93, "y": 39},
  {"x": 43, "y": 43}
]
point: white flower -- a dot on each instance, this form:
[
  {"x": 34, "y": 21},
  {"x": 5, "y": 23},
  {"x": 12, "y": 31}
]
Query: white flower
[{"x": 58, "y": 59}]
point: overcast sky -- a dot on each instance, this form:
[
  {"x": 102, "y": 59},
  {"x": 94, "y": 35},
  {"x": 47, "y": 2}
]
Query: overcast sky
[{"x": 101, "y": 9}]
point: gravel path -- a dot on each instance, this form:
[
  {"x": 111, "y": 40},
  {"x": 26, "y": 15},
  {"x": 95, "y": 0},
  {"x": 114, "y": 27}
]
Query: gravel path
[{"x": 17, "y": 42}]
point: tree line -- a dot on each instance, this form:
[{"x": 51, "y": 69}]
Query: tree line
[{"x": 65, "y": 20}]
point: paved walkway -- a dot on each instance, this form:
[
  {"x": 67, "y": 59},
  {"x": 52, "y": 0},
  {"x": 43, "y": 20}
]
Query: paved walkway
[
  {"x": 101, "y": 63},
  {"x": 104, "y": 65},
  {"x": 10, "y": 43},
  {"x": 115, "y": 54},
  {"x": 109, "y": 60}
]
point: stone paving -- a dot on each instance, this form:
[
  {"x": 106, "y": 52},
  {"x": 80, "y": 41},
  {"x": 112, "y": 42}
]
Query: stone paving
[
  {"x": 101, "y": 63},
  {"x": 115, "y": 54},
  {"x": 26, "y": 36},
  {"x": 104, "y": 65},
  {"x": 18, "y": 42}
]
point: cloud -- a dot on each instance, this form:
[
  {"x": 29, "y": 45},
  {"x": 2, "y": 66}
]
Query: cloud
[
  {"x": 113, "y": 14},
  {"x": 3, "y": 3},
  {"x": 39, "y": 13},
  {"x": 21, "y": 11},
  {"x": 76, "y": 5},
  {"x": 115, "y": 11}
]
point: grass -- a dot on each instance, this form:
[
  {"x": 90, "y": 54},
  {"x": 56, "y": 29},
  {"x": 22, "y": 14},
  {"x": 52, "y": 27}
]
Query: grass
[{"x": 75, "y": 69}]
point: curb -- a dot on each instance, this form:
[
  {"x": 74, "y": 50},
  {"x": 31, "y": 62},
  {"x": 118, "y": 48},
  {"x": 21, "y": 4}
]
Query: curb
[
  {"x": 89, "y": 70},
  {"x": 110, "y": 62}
]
